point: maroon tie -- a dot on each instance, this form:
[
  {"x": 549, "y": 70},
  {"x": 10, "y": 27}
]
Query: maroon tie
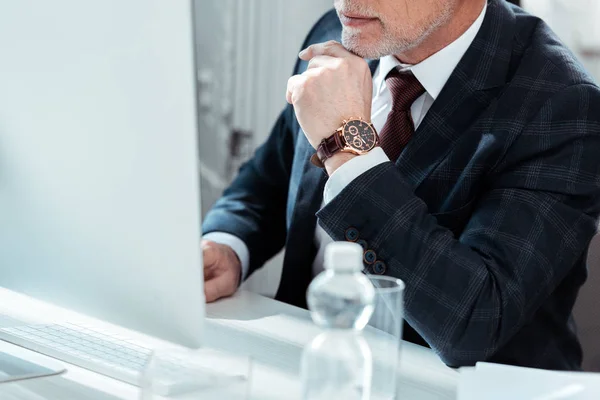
[{"x": 399, "y": 127}]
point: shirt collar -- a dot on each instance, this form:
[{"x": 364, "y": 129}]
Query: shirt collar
[{"x": 433, "y": 72}]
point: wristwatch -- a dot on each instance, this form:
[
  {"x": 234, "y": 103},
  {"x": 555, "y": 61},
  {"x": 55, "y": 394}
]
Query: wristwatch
[{"x": 355, "y": 136}]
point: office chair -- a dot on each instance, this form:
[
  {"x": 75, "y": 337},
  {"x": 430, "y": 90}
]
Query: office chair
[{"x": 587, "y": 310}]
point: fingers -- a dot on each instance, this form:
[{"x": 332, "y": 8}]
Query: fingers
[
  {"x": 321, "y": 55},
  {"x": 221, "y": 285},
  {"x": 321, "y": 61},
  {"x": 209, "y": 254},
  {"x": 221, "y": 271},
  {"x": 330, "y": 48},
  {"x": 293, "y": 83},
  {"x": 297, "y": 83}
]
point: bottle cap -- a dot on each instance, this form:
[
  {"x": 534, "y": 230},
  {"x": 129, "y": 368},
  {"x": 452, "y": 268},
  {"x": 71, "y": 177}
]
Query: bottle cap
[{"x": 344, "y": 256}]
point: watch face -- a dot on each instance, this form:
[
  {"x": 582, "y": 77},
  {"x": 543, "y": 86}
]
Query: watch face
[{"x": 359, "y": 135}]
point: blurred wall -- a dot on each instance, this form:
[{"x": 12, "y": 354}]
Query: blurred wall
[{"x": 246, "y": 52}]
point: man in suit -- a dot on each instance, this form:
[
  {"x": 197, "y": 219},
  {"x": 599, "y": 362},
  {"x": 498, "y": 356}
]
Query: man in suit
[{"x": 481, "y": 193}]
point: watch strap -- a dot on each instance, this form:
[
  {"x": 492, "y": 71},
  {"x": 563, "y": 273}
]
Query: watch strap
[{"x": 327, "y": 148}]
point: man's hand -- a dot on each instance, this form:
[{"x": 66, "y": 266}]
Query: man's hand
[
  {"x": 337, "y": 85},
  {"x": 222, "y": 270}
]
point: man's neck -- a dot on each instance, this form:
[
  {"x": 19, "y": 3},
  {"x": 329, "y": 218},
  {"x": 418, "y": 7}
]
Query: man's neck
[{"x": 464, "y": 16}]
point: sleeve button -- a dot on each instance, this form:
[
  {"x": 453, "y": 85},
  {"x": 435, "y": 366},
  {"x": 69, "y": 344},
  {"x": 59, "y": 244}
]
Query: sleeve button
[
  {"x": 379, "y": 268},
  {"x": 352, "y": 234},
  {"x": 369, "y": 257},
  {"x": 363, "y": 243}
]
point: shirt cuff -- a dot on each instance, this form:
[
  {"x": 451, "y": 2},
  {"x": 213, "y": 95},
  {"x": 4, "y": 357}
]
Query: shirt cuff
[
  {"x": 237, "y": 245},
  {"x": 351, "y": 170}
]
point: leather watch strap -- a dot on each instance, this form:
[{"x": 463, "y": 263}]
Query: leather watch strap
[{"x": 326, "y": 149}]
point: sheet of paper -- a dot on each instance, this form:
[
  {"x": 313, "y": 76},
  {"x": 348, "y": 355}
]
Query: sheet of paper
[{"x": 500, "y": 382}]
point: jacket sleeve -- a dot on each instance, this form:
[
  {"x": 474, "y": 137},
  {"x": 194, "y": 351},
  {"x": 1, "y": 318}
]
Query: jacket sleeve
[{"x": 468, "y": 295}]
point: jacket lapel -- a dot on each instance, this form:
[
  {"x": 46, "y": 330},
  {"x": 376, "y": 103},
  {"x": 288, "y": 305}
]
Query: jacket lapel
[
  {"x": 310, "y": 191},
  {"x": 373, "y": 64},
  {"x": 471, "y": 88},
  {"x": 300, "y": 249}
]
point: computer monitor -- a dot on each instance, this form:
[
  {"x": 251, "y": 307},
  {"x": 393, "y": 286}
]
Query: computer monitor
[{"x": 99, "y": 182}]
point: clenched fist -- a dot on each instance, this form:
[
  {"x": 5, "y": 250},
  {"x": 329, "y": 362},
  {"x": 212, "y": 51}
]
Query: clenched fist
[{"x": 222, "y": 270}]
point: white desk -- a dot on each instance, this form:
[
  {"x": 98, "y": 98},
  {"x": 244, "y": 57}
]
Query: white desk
[{"x": 272, "y": 332}]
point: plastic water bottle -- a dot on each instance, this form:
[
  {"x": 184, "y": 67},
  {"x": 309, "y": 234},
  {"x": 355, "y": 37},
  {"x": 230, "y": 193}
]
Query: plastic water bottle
[{"x": 338, "y": 364}]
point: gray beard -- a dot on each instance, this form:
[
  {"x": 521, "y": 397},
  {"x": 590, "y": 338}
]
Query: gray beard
[
  {"x": 387, "y": 46},
  {"x": 390, "y": 45}
]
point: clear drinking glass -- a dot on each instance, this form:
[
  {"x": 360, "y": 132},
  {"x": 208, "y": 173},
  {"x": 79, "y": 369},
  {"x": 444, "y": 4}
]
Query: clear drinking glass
[
  {"x": 207, "y": 374},
  {"x": 384, "y": 335}
]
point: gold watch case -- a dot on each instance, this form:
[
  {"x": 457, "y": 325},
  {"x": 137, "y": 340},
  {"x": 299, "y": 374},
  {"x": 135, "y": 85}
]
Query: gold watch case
[{"x": 358, "y": 136}]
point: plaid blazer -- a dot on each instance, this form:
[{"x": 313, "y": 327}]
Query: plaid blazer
[{"x": 486, "y": 215}]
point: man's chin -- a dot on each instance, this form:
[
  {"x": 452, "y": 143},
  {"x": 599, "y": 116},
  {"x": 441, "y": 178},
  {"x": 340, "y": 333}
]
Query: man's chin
[
  {"x": 363, "y": 49},
  {"x": 365, "y": 45},
  {"x": 374, "y": 47}
]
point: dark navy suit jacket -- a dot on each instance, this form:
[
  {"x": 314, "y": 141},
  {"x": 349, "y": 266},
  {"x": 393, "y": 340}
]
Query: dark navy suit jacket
[{"x": 486, "y": 215}]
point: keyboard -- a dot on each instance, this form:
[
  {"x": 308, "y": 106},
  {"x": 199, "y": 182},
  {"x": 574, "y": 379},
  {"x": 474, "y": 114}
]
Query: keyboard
[
  {"x": 84, "y": 347},
  {"x": 98, "y": 351}
]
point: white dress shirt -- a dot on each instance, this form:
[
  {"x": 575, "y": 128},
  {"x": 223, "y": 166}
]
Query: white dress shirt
[{"x": 432, "y": 73}]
